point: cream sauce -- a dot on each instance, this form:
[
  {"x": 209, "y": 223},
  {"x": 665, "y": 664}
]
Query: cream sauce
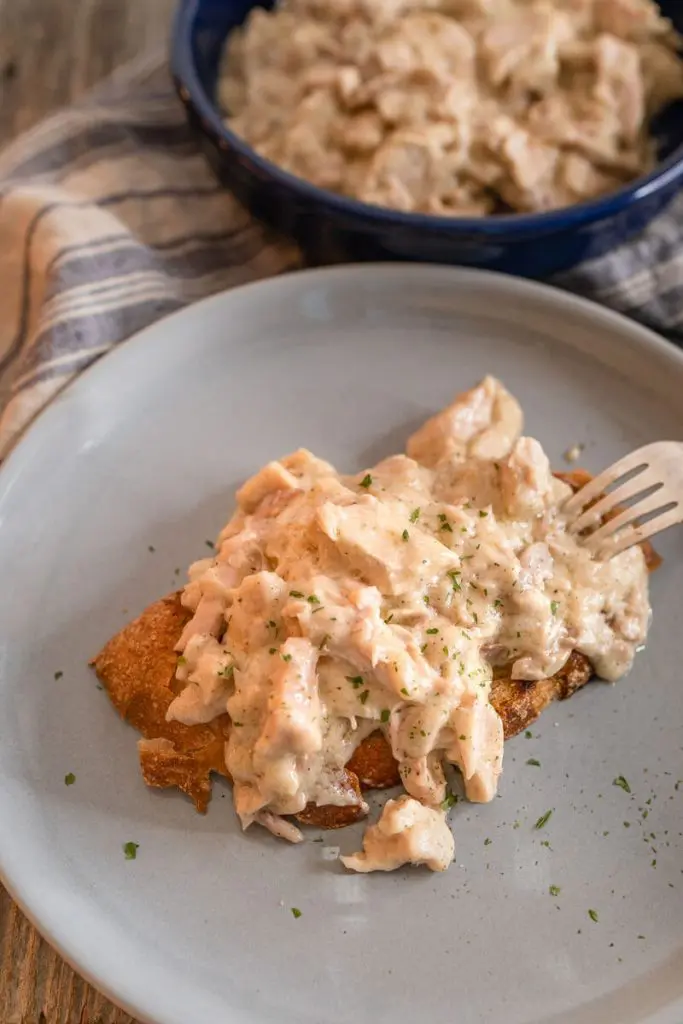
[{"x": 338, "y": 605}]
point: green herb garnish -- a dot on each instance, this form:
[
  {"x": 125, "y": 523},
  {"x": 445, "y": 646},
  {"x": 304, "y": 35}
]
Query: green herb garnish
[
  {"x": 554, "y": 890},
  {"x": 286, "y": 657},
  {"x": 69, "y": 779},
  {"x": 362, "y": 697},
  {"x": 130, "y": 850},
  {"x": 296, "y": 593},
  {"x": 543, "y": 820},
  {"x": 622, "y": 783},
  {"x": 385, "y": 716},
  {"x": 593, "y": 914},
  {"x": 296, "y": 912},
  {"x": 453, "y": 575},
  {"x": 532, "y": 761},
  {"x": 355, "y": 681},
  {"x": 405, "y": 535},
  {"x": 366, "y": 481},
  {"x": 414, "y": 515},
  {"x": 450, "y": 800},
  {"x": 58, "y": 675},
  {"x": 432, "y": 632}
]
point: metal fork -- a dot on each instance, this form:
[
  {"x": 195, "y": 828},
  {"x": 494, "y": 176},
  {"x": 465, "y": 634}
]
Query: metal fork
[{"x": 655, "y": 481}]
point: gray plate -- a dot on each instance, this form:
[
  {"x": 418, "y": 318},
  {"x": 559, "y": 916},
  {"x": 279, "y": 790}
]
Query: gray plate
[{"x": 144, "y": 452}]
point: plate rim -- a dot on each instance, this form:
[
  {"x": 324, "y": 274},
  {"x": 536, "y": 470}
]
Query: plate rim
[{"x": 17, "y": 882}]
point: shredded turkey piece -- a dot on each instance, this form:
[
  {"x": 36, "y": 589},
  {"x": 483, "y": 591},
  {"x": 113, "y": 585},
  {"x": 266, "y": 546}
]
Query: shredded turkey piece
[
  {"x": 463, "y": 107},
  {"x": 338, "y": 605},
  {"x": 406, "y": 833}
]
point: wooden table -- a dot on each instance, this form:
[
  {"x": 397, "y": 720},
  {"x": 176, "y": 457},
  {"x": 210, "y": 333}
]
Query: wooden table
[{"x": 50, "y": 52}]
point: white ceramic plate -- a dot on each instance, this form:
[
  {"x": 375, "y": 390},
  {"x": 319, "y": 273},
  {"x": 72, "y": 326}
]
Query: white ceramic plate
[{"x": 144, "y": 452}]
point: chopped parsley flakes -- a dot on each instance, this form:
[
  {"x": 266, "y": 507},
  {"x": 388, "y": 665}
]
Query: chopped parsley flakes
[
  {"x": 622, "y": 783},
  {"x": 554, "y": 890},
  {"x": 296, "y": 912},
  {"x": 450, "y": 800},
  {"x": 453, "y": 575},
  {"x": 553, "y": 607},
  {"x": 69, "y": 779},
  {"x": 58, "y": 675},
  {"x": 385, "y": 716},
  {"x": 366, "y": 481},
  {"x": 296, "y": 593},
  {"x": 130, "y": 850},
  {"x": 532, "y": 761},
  {"x": 362, "y": 697},
  {"x": 543, "y": 820},
  {"x": 593, "y": 914},
  {"x": 414, "y": 515},
  {"x": 405, "y": 535},
  {"x": 355, "y": 681}
]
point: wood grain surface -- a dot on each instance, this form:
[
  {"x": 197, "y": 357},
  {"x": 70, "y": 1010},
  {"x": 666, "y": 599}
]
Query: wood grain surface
[{"x": 51, "y": 51}]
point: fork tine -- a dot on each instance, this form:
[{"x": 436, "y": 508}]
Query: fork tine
[
  {"x": 641, "y": 482},
  {"x": 627, "y": 538},
  {"x": 655, "y": 502},
  {"x": 599, "y": 483}
]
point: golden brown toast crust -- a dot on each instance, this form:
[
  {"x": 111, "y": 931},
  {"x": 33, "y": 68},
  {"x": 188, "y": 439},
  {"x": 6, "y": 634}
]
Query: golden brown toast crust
[{"x": 137, "y": 669}]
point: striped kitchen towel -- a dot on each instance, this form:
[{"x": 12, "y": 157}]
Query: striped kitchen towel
[{"x": 110, "y": 218}]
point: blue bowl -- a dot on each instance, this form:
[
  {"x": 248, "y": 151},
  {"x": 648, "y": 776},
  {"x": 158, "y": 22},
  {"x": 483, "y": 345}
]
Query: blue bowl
[{"x": 331, "y": 228}]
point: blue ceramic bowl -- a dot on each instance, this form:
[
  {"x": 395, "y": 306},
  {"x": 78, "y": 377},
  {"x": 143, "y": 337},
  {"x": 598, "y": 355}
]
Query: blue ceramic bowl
[{"x": 331, "y": 228}]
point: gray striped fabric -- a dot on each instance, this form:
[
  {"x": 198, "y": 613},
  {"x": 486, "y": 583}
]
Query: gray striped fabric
[{"x": 110, "y": 219}]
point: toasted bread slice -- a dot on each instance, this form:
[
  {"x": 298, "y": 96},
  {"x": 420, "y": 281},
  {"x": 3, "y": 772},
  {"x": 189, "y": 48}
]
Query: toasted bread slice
[{"x": 137, "y": 668}]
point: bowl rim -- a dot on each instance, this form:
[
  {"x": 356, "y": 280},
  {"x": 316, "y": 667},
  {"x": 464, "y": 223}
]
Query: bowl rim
[{"x": 194, "y": 96}]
